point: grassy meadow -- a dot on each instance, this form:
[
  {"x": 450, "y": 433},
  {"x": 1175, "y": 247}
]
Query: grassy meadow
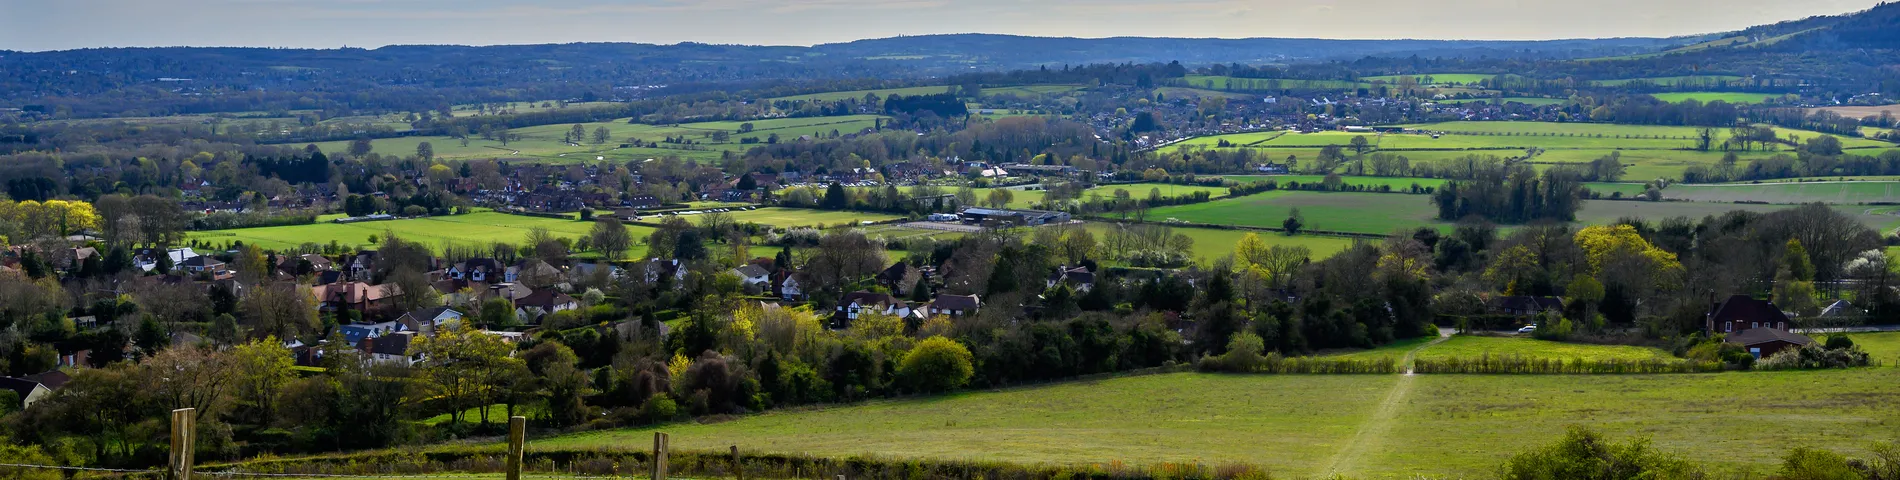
[
  {"x": 1789, "y": 192},
  {"x": 1434, "y": 78},
  {"x": 1671, "y": 81},
  {"x": 1464, "y": 346},
  {"x": 1212, "y": 243},
  {"x": 1706, "y": 97},
  {"x": 1312, "y": 425}
]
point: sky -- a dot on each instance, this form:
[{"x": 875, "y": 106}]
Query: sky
[{"x": 37, "y": 25}]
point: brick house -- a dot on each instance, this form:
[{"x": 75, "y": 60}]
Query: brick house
[{"x": 1740, "y": 313}]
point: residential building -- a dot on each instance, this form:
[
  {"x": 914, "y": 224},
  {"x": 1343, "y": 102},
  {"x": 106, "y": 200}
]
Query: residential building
[
  {"x": 1525, "y": 306},
  {"x": 29, "y": 391},
  {"x": 543, "y": 302},
  {"x": 1765, "y": 341},
  {"x": 1078, "y": 278},
  {"x": 954, "y": 305},
  {"x": 1740, "y": 313},
  {"x": 754, "y": 278}
]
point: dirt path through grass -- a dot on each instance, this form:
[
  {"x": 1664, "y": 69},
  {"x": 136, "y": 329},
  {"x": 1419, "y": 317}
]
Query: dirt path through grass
[{"x": 1372, "y": 433}]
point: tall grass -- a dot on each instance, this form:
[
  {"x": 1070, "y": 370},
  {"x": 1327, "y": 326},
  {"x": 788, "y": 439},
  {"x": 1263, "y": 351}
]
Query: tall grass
[
  {"x": 1278, "y": 364},
  {"x": 1517, "y": 364},
  {"x": 636, "y": 463}
]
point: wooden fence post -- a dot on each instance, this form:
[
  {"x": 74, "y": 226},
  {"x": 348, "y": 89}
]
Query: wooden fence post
[
  {"x": 184, "y": 431},
  {"x": 517, "y": 441},
  {"x": 738, "y": 468},
  {"x": 659, "y": 456}
]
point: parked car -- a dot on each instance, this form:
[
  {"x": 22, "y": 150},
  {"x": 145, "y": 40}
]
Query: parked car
[{"x": 1527, "y": 329}]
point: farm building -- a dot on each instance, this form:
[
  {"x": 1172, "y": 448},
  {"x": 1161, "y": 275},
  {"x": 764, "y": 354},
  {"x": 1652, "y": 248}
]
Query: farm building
[
  {"x": 1741, "y": 313},
  {"x": 996, "y": 217},
  {"x": 1765, "y": 341}
]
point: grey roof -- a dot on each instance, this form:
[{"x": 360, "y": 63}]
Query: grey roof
[
  {"x": 752, "y": 271},
  {"x": 956, "y": 302},
  {"x": 1757, "y": 336}
]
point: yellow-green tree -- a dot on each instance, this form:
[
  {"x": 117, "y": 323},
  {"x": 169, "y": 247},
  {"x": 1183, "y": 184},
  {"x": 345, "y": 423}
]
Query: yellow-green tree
[
  {"x": 936, "y": 364},
  {"x": 1617, "y": 254},
  {"x": 463, "y": 366}
]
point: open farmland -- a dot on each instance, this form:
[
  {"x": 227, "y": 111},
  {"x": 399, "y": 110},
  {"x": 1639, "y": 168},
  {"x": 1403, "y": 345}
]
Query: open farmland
[
  {"x": 468, "y": 229},
  {"x": 1019, "y": 90},
  {"x": 1212, "y": 243},
  {"x": 1789, "y": 192},
  {"x": 1304, "y": 426},
  {"x": 1706, "y": 97},
  {"x": 545, "y": 142},
  {"x": 1434, "y": 78},
  {"x": 1690, "y": 80}
]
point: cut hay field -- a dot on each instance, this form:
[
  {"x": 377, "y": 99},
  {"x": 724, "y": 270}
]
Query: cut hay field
[
  {"x": 545, "y": 142},
  {"x": 1706, "y": 97},
  {"x": 469, "y": 229},
  {"x": 1302, "y": 426}
]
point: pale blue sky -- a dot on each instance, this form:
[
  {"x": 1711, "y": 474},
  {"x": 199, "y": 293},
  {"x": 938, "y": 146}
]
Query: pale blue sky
[{"x": 64, "y": 24}]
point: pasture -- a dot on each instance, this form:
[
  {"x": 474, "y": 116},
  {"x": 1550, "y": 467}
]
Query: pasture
[
  {"x": 1686, "y": 80},
  {"x": 1017, "y": 90},
  {"x": 1706, "y": 97},
  {"x": 1313, "y": 425},
  {"x": 1377, "y": 213},
  {"x": 798, "y": 217},
  {"x": 1884, "y": 347},
  {"x": 469, "y": 229}
]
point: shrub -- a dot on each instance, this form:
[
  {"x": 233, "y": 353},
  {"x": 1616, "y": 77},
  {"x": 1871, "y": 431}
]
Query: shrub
[
  {"x": 659, "y": 408},
  {"x": 1811, "y": 464},
  {"x": 1493, "y": 364},
  {"x": 1839, "y": 342},
  {"x": 936, "y": 364},
  {"x": 1812, "y": 356},
  {"x": 1583, "y": 454}
]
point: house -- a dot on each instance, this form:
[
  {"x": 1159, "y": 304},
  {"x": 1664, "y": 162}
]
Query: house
[
  {"x": 76, "y": 256},
  {"x": 357, "y": 296},
  {"x": 476, "y": 270},
  {"x": 642, "y": 202},
  {"x": 788, "y": 287},
  {"x": 355, "y": 335},
  {"x": 533, "y": 272},
  {"x": 1842, "y": 309},
  {"x": 290, "y": 265},
  {"x": 900, "y": 277},
  {"x": 511, "y": 291},
  {"x": 203, "y": 264},
  {"x": 52, "y": 379},
  {"x": 425, "y": 320},
  {"x": 655, "y": 269},
  {"x": 754, "y": 278},
  {"x": 363, "y": 265},
  {"x": 862, "y": 302},
  {"x": 1765, "y": 341},
  {"x": 1525, "y": 306},
  {"x": 1740, "y": 313},
  {"x": 29, "y": 391},
  {"x": 544, "y": 302},
  {"x": 954, "y": 305},
  {"x": 179, "y": 256},
  {"x": 390, "y": 349},
  {"x": 1079, "y": 278}
]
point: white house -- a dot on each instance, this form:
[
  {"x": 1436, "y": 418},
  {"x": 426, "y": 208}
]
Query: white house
[{"x": 755, "y": 278}]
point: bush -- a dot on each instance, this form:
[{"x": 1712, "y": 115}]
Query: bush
[
  {"x": 1811, "y": 356},
  {"x": 1553, "y": 327},
  {"x": 1810, "y": 464},
  {"x": 1839, "y": 342},
  {"x": 1516, "y": 364},
  {"x": 936, "y": 364},
  {"x": 1583, "y": 454},
  {"x": 659, "y": 408}
]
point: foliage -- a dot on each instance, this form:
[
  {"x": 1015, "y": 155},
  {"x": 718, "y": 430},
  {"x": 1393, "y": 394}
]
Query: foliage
[
  {"x": 1587, "y": 455},
  {"x": 936, "y": 364}
]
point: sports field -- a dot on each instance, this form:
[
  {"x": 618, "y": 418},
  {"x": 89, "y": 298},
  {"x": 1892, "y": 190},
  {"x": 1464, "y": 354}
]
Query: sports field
[
  {"x": 469, "y": 229},
  {"x": 1363, "y": 426}
]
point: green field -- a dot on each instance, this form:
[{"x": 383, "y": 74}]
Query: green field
[
  {"x": 1406, "y": 183},
  {"x": 469, "y": 229},
  {"x": 1706, "y": 97},
  {"x": 545, "y": 142},
  {"x": 1883, "y": 347},
  {"x": 1383, "y": 213},
  {"x": 1805, "y": 192},
  {"x": 1364, "y": 426},
  {"x": 1210, "y": 82},
  {"x": 1690, "y": 80},
  {"x": 797, "y": 217},
  {"x": 1434, "y": 78},
  {"x": 470, "y": 110},
  {"x": 1472, "y": 346},
  {"x": 1211, "y": 243}
]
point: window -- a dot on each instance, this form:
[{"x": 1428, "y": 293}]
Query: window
[
  {"x": 1754, "y": 325},
  {"x": 1728, "y": 327}
]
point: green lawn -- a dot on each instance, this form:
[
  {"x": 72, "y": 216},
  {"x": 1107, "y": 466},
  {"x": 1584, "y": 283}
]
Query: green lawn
[
  {"x": 469, "y": 229},
  {"x": 1464, "y": 346},
  {"x": 1671, "y": 81},
  {"x": 1298, "y": 425},
  {"x": 1395, "y": 350},
  {"x": 1211, "y": 244}
]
